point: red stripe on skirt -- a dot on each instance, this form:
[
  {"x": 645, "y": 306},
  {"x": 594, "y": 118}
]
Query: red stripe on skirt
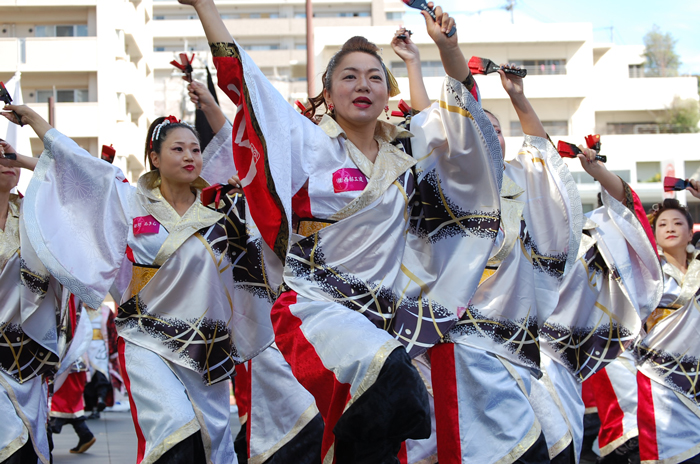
[
  {"x": 141, "y": 450},
  {"x": 330, "y": 394},
  {"x": 403, "y": 454},
  {"x": 609, "y": 409},
  {"x": 646, "y": 421},
  {"x": 444, "y": 380}
]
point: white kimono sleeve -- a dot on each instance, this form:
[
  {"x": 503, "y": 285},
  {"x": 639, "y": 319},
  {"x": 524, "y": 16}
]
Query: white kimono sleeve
[{"x": 76, "y": 217}]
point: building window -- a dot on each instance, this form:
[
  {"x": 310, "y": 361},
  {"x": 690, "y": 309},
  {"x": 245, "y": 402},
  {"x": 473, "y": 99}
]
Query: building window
[
  {"x": 625, "y": 128},
  {"x": 542, "y": 67},
  {"x": 429, "y": 69},
  {"x": 230, "y": 16},
  {"x": 394, "y": 15},
  {"x": 159, "y": 17},
  {"x": 63, "y": 30},
  {"x": 648, "y": 171},
  {"x": 300, "y": 46},
  {"x": 636, "y": 70},
  {"x": 624, "y": 174},
  {"x": 63, "y": 95},
  {"x": 692, "y": 171},
  {"x": 261, "y": 47},
  {"x": 158, "y": 49},
  {"x": 300, "y": 15},
  {"x": 254, "y": 16},
  {"x": 557, "y": 128}
]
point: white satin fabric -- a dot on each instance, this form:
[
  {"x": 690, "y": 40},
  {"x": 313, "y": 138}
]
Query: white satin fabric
[
  {"x": 172, "y": 403},
  {"x": 541, "y": 229},
  {"x": 280, "y": 406}
]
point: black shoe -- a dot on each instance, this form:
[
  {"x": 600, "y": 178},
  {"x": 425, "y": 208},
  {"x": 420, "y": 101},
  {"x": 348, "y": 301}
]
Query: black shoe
[
  {"x": 95, "y": 415},
  {"x": 101, "y": 405},
  {"x": 84, "y": 444}
]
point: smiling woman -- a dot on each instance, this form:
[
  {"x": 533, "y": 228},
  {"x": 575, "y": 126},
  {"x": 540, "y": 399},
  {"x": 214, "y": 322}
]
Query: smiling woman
[
  {"x": 397, "y": 244},
  {"x": 187, "y": 316}
]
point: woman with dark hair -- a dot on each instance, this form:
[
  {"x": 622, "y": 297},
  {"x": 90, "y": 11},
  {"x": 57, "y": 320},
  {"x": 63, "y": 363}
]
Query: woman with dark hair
[
  {"x": 404, "y": 239},
  {"x": 668, "y": 413},
  {"x": 188, "y": 316}
]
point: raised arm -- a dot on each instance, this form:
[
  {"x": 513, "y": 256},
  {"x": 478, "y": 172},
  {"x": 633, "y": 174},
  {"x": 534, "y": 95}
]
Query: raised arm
[
  {"x": 407, "y": 50},
  {"x": 531, "y": 124},
  {"x": 204, "y": 100},
  {"x": 609, "y": 181},
  {"x": 214, "y": 27},
  {"x": 450, "y": 54},
  {"x": 29, "y": 116},
  {"x": 21, "y": 161}
]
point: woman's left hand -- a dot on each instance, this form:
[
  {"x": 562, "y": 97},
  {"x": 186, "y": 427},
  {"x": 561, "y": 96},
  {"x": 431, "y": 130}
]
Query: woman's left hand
[
  {"x": 589, "y": 164},
  {"x": 438, "y": 28},
  {"x": 405, "y": 48}
]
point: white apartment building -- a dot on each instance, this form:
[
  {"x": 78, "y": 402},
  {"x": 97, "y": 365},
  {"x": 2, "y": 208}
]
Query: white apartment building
[
  {"x": 273, "y": 32},
  {"x": 94, "y": 57},
  {"x": 576, "y": 86},
  {"x": 108, "y": 61}
]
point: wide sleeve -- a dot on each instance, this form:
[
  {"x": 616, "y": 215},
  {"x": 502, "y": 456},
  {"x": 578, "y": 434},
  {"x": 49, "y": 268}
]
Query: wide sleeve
[
  {"x": 459, "y": 167},
  {"x": 217, "y": 158},
  {"x": 271, "y": 142},
  {"x": 76, "y": 217},
  {"x": 553, "y": 213}
]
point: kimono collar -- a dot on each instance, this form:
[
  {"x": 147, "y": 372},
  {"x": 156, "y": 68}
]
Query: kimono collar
[
  {"x": 509, "y": 189},
  {"x": 196, "y": 217},
  {"x": 9, "y": 238},
  {"x": 689, "y": 283},
  {"x": 391, "y": 162},
  {"x": 383, "y": 131}
]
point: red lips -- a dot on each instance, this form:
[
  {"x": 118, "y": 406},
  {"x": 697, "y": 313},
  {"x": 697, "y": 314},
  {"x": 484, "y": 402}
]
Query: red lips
[
  {"x": 362, "y": 102},
  {"x": 189, "y": 167}
]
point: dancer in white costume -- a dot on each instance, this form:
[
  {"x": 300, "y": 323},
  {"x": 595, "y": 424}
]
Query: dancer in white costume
[
  {"x": 29, "y": 335},
  {"x": 188, "y": 315},
  {"x": 380, "y": 283},
  {"x": 668, "y": 412}
]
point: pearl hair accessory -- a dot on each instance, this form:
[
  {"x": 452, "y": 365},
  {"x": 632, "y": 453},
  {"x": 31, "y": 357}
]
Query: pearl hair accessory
[{"x": 690, "y": 248}]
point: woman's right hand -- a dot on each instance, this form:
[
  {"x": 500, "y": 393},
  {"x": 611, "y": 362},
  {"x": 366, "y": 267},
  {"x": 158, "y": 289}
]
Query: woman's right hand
[
  {"x": 201, "y": 97},
  {"x": 694, "y": 188}
]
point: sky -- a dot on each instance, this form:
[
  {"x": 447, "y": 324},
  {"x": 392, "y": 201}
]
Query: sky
[{"x": 630, "y": 20}]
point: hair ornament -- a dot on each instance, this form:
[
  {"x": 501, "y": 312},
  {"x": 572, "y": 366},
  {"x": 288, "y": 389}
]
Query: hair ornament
[{"x": 156, "y": 131}]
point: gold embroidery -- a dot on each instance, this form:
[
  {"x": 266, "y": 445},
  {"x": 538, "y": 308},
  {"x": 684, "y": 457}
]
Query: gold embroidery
[
  {"x": 223, "y": 50},
  {"x": 97, "y": 334},
  {"x": 658, "y": 315},
  {"x": 307, "y": 228},
  {"x": 486, "y": 274},
  {"x": 140, "y": 276}
]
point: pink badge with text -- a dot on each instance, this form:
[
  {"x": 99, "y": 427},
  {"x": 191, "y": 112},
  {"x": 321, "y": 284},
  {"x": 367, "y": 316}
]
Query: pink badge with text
[
  {"x": 348, "y": 180},
  {"x": 146, "y": 225}
]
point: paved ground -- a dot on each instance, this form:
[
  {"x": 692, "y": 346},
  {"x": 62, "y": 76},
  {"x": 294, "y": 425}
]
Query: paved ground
[{"x": 116, "y": 441}]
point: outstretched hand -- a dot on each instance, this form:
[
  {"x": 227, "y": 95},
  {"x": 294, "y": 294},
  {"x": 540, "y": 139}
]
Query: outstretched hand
[
  {"x": 405, "y": 48},
  {"x": 439, "y": 27},
  {"x": 694, "y": 188},
  {"x": 512, "y": 84}
]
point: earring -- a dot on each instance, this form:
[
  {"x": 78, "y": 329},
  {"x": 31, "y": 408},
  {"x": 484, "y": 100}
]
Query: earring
[
  {"x": 331, "y": 107},
  {"x": 690, "y": 248},
  {"x": 386, "y": 111}
]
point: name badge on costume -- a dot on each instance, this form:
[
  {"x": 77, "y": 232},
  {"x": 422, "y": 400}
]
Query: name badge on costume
[
  {"x": 349, "y": 180},
  {"x": 146, "y": 225}
]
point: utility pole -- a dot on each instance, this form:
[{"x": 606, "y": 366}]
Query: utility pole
[
  {"x": 310, "y": 49},
  {"x": 511, "y": 7}
]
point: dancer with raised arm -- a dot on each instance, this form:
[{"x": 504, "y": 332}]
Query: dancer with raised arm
[
  {"x": 189, "y": 315},
  {"x": 390, "y": 272},
  {"x": 29, "y": 339},
  {"x": 481, "y": 377},
  {"x": 668, "y": 414}
]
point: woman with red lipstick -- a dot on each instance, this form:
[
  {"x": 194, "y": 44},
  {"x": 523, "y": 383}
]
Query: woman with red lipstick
[
  {"x": 189, "y": 315},
  {"x": 29, "y": 345},
  {"x": 399, "y": 242},
  {"x": 668, "y": 414}
]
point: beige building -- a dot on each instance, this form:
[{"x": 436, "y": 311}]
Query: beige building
[
  {"x": 108, "y": 61},
  {"x": 93, "y": 57}
]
